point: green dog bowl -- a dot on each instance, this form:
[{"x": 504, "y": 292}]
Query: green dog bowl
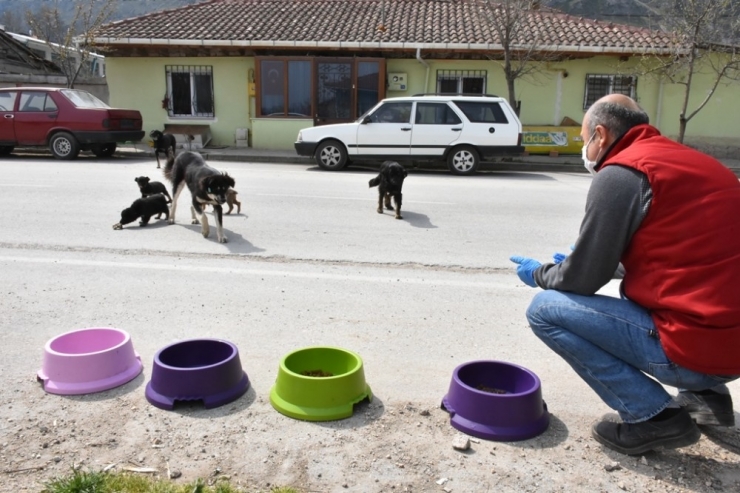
[{"x": 319, "y": 384}]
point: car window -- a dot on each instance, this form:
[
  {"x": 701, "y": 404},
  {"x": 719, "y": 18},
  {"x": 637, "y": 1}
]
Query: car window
[
  {"x": 50, "y": 105},
  {"x": 35, "y": 101},
  {"x": 392, "y": 113},
  {"x": 482, "y": 112},
  {"x": 83, "y": 99},
  {"x": 7, "y": 100},
  {"x": 435, "y": 114}
]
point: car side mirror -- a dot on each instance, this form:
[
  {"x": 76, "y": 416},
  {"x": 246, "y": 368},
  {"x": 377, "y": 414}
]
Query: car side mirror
[{"x": 366, "y": 120}]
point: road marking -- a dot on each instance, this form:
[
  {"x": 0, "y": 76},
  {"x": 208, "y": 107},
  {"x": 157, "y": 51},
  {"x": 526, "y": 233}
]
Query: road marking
[
  {"x": 260, "y": 272},
  {"x": 375, "y": 199}
]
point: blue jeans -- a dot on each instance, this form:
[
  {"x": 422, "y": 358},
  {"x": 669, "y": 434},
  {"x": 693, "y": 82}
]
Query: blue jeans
[{"x": 613, "y": 345}]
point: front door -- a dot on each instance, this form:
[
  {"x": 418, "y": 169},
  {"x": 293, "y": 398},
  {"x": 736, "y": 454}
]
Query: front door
[
  {"x": 387, "y": 131},
  {"x": 334, "y": 92}
]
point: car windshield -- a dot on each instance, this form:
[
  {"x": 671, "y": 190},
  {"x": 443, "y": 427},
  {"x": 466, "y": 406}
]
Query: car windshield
[{"x": 83, "y": 99}]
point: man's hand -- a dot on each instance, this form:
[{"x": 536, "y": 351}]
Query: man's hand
[
  {"x": 559, "y": 257},
  {"x": 525, "y": 269}
]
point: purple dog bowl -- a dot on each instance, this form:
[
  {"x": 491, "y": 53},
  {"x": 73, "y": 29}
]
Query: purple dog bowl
[
  {"x": 497, "y": 401},
  {"x": 88, "y": 360},
  {"x": 207, "y": 370}
]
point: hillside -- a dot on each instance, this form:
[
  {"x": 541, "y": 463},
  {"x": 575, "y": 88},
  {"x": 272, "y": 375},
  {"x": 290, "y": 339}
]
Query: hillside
[{"x": 617, "y": 11}]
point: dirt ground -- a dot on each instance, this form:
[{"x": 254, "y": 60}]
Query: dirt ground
[{"x": 383, "y": 447}]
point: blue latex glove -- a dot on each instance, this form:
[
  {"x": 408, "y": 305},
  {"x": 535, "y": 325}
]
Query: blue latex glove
[
  {"x": 525, "y": 269},
  {"x": 559, "y": 257}
]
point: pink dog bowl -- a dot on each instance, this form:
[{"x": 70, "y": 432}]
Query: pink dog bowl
[{"x": 88, "y": 360}]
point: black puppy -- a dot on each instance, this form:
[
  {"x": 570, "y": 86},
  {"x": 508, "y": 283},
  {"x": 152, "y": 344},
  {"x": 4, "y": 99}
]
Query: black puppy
[
  {"x": 144, "y": 208},
  {"x": 162, "y": 143},
  {"x": 147, "y": 188},
  {"x": 389, "y": 182}
]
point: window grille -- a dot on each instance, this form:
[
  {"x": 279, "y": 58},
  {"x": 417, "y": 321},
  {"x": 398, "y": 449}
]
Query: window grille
[
  {"x": 461, "y": 81},
  {"x": 598, "y": 86},
  {"x": 190, "y": 90}
]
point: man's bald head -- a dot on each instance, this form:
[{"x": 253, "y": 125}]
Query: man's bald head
[{"x": 617, "y": 113}]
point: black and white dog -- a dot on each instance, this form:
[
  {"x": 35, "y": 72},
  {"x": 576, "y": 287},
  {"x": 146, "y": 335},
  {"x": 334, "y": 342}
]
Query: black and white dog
[
  {"x": 389, "y": 182},
  {"x": 207, "y": 186},
  {"x": 162, "y": 143},
  {"x": 144, "y": 208}
]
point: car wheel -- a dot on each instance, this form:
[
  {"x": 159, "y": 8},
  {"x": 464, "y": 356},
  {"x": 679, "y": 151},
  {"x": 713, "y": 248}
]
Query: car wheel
[
  {"x": 463, "y": 160},
  {"x": 104, "y": 150},
  {"x": 5, "y": 150},
  {"x": 331, "y": 155},
  {"x": 64, "y": 146}
]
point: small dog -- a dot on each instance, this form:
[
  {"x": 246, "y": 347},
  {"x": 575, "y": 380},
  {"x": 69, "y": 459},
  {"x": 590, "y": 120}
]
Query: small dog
[
  {"x": 162, "y": 143},
  {"x": 147, "y": 188},
  {"x": 144, "y": 208},
  {"x": 389, "y": 182},
  {"x": 231, "y": 201},
  {"x": 207, "y": 186}
]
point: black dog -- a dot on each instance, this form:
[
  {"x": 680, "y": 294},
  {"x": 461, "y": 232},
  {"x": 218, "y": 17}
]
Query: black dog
[
  {"x": 144, "y": 208},
  {"x": 162, "y": 143},
  {"x": 207, "y": 186},
  {"x": 389, "y": 182},
  {"x": 152, "y": 187}
]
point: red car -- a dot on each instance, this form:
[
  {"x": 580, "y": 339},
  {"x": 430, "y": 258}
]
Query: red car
[{"x": 66, "y": 120}]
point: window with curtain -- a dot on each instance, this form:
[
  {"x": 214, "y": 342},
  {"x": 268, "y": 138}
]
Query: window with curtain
[
  {"x": 461, "y": 81},
  {"x": 190, "y": 90}
]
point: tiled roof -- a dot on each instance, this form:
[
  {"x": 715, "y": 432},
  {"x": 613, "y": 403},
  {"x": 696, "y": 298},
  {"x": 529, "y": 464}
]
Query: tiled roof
[{"x": 427, "y": 24}]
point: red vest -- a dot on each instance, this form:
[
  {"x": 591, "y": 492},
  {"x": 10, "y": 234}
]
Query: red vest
[{"x": 683, "y": 262}]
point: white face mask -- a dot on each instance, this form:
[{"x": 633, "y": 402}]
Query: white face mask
[{"x": 589, "y": 165}]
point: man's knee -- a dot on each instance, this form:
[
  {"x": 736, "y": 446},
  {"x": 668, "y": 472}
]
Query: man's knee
[{"x": 539, "y": 313}]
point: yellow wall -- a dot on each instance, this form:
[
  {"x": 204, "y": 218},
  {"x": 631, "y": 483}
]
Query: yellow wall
[
  {"x": 141, "y": 83},
  {"x": 546, "y": 98}
]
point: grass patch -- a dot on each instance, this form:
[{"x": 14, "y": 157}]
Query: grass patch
[{"x": 120, "y": 482}]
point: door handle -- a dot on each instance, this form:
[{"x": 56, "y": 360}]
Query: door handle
[
  {"x": 406, "y": 129},
  {"x": 52, "y": 115},
  {"x": 456, "y": 129},
  {"x": 7, "y": 115}
]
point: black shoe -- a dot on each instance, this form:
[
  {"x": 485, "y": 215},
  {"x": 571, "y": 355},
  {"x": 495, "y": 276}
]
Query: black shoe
[
  {"x": 707, "y": 407},
  {"x": 676, "y": 431}
]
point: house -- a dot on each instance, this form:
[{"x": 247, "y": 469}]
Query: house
[
  {"x": 28, "y": 61},
  {"x": 257, "y": 71}
]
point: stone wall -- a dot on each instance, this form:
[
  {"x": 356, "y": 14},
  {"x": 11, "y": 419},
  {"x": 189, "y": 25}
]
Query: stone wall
[{"x": 97, "y": 86}]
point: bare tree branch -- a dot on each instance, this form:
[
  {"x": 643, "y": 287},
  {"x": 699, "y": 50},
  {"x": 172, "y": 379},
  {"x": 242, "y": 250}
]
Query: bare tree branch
[
  {"x": 512, "y": 23},
  {"x": 705, "y": 36},
  {"x": 71, "y": 44}
]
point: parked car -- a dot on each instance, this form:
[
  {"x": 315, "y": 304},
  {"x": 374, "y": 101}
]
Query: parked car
[
  {"x": 66, "y": 120},
  {"x": 460, "y": 130}
]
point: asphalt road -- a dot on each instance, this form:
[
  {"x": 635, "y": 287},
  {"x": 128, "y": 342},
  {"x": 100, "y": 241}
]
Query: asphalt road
[{"x": 308, "y": 262}]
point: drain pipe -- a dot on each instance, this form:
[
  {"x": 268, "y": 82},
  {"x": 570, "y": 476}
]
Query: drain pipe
[{"x": 423, "y": 62}]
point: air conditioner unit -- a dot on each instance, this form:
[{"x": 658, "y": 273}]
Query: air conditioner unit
[{"x": 397, "y": 81}]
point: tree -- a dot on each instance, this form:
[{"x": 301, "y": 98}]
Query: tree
[
  {"x": 11, "y": 22},
  {"x": 521, "y": 53},
  {"x": 71, "y": 44},
  {"x": 706, "y": 37}
]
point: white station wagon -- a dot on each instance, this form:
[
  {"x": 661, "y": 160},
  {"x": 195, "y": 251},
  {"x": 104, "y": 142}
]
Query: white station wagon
[{"x": 460, "y": 130}]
